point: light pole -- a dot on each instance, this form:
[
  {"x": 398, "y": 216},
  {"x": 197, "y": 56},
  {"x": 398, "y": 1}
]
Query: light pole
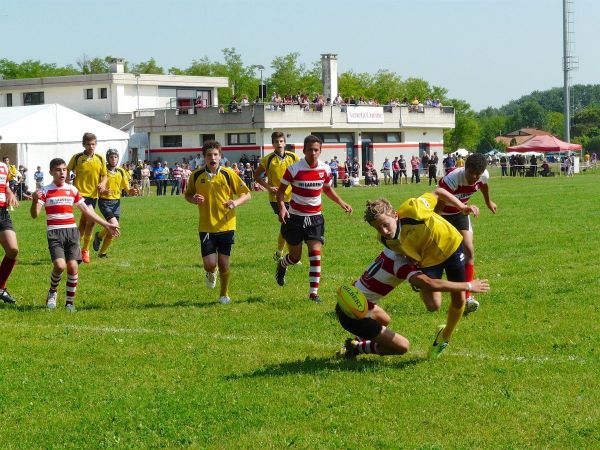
[
  {"x": 260, "y": 67},
  {"x": 137, "y": 86}
]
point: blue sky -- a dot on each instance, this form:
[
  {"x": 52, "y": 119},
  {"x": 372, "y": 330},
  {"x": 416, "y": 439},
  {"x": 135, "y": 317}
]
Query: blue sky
[{"x": 486, "y": 52}]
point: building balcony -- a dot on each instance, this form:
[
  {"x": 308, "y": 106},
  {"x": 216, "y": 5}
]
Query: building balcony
[{"x": 293, "y": 116}]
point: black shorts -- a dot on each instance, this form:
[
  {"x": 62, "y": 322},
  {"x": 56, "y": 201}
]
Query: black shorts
[
  {"x": 304, "y": 228},
  {"x": 64, "y": 243},
  {"x": 275, "y": 207},
  {"x": 110, "y": 208},
  {"x": 216, "y": 242},
  {"x": 454, "y": 267},
  {"x": 5, "y": 220},
  {"x": 460, "y": 221},
  {"x": 366, "y": 328},
  {"x": 90, "y": 201}
]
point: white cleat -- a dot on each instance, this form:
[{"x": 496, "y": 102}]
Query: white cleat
[
  {"x": 224, "y": 300},
  {"x": 471, "y": 306},
  {"x": 211, "y": 279},
  {"x": 51, "y": 300}
]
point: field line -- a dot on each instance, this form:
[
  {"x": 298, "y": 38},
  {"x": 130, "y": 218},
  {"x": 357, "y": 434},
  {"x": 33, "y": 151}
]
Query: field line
[{"x": 540, "y": 359}]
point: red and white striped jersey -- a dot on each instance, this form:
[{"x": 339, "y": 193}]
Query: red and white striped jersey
[
  {"x": 59, "y": 202},
  {"x": 456, "y": 183},
  {"x": 3, "y": 184},
  {"x": 307, "y": 184},
  {"x": 385, "y": 273}
]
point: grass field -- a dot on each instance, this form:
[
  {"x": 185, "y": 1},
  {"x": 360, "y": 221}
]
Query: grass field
[{"x": 151, "y": 359}]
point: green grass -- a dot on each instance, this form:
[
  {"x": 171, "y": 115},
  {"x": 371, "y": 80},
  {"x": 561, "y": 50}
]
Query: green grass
[{"x": 152, "y": 360}]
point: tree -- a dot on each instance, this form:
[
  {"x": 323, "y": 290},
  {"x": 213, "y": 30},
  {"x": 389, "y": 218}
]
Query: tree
[
  {"x": 11, "y": 70},
  {"x": 354, "y": 84},
  {"x": 149, "y": 66},
  {"x": 94, "y": 65},
  {"x": 287, "y": 72},
  {"x": 466, "y": 129}
]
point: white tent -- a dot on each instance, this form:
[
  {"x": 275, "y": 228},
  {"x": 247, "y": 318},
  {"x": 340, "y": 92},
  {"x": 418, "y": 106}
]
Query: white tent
[
  {"x": 462, "y": 152},
  {"x": 33, "y": 135}
]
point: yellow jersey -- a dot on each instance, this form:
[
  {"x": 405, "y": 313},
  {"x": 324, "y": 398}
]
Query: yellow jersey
[
  {"x": 12, "y": 172},
  {"x": 274, "y": 166},
  {"x": 88, "y": 173},
  {"x": 116, "y": 182},
  {"x": 216, "y": 190},
  {"x": 422, "y": 235}
]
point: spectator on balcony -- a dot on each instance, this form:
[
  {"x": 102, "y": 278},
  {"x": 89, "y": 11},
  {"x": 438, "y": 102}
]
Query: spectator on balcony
[
  {"x": 352, "y": 100},
  {"x": 319, "y": 103},
  {"x": 245, "y": 101},
  {"x": 362, "y": 101},
  {"x": 198, "y": 104},
  {"x": 304, "y": 103},
  {"x": 414, "y": 104},
  {"x": 404, "y": 102},
  {"x": 338, "y": 100},
  {"x": 233, "y": 104}
]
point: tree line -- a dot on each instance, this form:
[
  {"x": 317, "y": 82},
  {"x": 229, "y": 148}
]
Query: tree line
[{"x": 474, "y": 130}]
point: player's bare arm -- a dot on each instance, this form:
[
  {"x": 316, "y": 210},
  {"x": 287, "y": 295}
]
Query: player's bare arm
[
  {"x": 329, "y": 192},
  {"x": 231, "y": 203},
  {"x": 423, "y": 282},
  {"x": 89, "y": 213},
  {"x": 449, "y": 199},
  {"x": 194, "y": 199},
  {"x": 485, "y": 191},
  {"x": 11, "y": 198},
  {"x": 35, "y": 207},
  {"x": 260, "y": 179},
  {"x": 283, "y": 212}
]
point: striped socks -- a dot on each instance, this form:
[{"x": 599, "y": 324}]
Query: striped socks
[{"x": 314, "y": 274}]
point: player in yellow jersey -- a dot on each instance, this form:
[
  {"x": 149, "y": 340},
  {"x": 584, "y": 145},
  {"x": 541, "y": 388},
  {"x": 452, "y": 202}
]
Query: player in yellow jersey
[
  {"x": 431, "y": 243},
  {"x": 273, "y": 167},
  {"x": 217, "y": 191},
  {"x": 90, "y": 179},
  {"x": 109, "y": 202}
]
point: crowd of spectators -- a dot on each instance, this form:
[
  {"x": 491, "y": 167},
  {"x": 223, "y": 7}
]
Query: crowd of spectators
[{"x": 317, "y": 101}]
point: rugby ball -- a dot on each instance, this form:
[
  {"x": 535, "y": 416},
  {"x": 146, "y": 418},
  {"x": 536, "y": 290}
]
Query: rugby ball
[{"x": 352, "y": 302}]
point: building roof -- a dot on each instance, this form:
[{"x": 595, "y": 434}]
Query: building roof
[
  {"x": 117, "y": 78},
  {"x": 520, "y": 136}
]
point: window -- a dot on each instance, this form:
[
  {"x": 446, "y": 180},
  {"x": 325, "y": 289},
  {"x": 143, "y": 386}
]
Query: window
[
  {"x": 241, "y": 138},
  {"x": 334, "y": 138},
  {"x": 206, "y": 137},
  {"x": 88, "y": 94},
  {"x": 171, "y": 141},
  {"x": 33, "y": 98},
  {"x": 8, "y": 99},
  {"x": 102, "y": 93},
  {"x": 382, "y": 137}
]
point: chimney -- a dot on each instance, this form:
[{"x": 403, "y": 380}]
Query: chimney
[
  {"x": 117, "y": 65},
  {"x": 329, "y": 75}
]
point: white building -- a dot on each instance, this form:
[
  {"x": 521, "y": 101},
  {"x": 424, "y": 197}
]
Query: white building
[
  {"x": 367, "y": 132},
  {"x": 107, "y": 96}
]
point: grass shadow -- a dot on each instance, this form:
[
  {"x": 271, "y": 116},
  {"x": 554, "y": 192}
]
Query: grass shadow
[{"x": 313, "y": 366}]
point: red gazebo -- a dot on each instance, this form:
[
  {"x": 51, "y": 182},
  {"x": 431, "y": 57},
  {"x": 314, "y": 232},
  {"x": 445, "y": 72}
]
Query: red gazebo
[{"x": 544, "y": 143}]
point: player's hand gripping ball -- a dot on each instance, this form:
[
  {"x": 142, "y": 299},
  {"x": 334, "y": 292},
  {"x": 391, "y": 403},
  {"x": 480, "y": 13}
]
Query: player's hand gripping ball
[{"x": 352, "y": 302}]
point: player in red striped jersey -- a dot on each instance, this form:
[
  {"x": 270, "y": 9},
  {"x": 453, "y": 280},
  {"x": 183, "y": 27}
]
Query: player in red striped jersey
[
  {"x": 8, "y": 237},
  {"x": 389, "y": 269},
  {"x": 58, "y": 198},
  {"x": 463, "y": 183},
  {"x": 309, "y": 177}
]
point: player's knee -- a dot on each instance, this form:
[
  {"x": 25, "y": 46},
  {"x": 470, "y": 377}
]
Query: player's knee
[
  {"x": 401, "y": 345},
  {"x": 12, "y": 252},
  {"x": 432, "y": 306}
]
